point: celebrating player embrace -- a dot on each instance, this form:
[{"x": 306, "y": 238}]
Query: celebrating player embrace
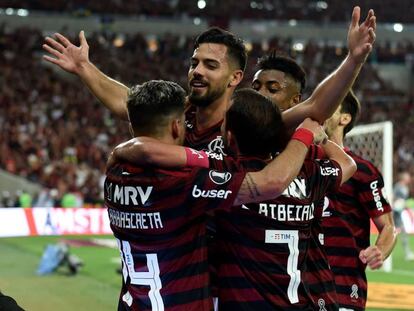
[{"x": 236, "y": 213}]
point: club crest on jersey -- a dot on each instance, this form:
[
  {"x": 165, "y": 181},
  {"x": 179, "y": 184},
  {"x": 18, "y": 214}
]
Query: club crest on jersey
[
  {"x": 217, "y": 145},
  {"x": 219, "y": 178}
]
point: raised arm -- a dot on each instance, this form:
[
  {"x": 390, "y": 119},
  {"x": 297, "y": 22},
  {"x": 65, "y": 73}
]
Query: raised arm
[
  {"x": 330, "y": 92},
  {"x": 75, "y": 59},
  {"x": 336, "y": 153},
  {"x": 375, "y": 255},
  {"x": 271, "y": 181}
]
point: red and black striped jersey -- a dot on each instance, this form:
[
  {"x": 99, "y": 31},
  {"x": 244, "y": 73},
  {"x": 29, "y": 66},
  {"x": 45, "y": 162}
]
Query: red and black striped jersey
[
  {"x": 159, "y": 219},
  {"x": 318, "y": 276},
  {"x": 347, "y": 230},
  {"x": 209, "y": 139},
  {"x": 263, "y": 246}
]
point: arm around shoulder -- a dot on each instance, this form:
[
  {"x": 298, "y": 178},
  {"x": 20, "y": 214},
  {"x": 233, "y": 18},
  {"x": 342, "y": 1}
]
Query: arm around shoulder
[{"x": 275, "y": 177}]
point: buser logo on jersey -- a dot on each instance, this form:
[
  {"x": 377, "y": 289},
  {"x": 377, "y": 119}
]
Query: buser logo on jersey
[
  {"x": 219, "y": 194},
  {"x": 376, "y": 195},
  {"x": 326, "y": 171}
]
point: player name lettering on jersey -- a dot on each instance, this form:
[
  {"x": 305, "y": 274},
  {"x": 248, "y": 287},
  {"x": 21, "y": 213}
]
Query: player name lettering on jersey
[
  {"x": 127, "y": 195},
  {"x": 128, "y": 220},
  {"x": 287, "y": 212},
  {"x": 219, "y": 194},
  {"x": 296, "y": 189}
]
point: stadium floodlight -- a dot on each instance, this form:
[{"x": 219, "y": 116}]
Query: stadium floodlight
[
  {"x": 298, "y": 46},
  {"x": 321, "y": 5},
  {"x": 201, "y": 4},
  {"x": 22, "y": 12},
  {"x": 293, "y": 22},
  {"x": 398, "y": 27},
  {"x": 9, "y": 11}
]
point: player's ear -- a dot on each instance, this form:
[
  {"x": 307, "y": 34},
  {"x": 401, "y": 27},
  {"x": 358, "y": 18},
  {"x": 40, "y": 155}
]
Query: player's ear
[
  {"x": 175, "y": 128},
  {"x": 236, "y": 78},
  {"x": 345, "y": 119},
  {"x": 295, "y": 100}
]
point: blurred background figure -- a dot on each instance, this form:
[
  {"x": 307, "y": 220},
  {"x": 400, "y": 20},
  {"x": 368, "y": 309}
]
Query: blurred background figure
[{"x": 401, "y": 194}]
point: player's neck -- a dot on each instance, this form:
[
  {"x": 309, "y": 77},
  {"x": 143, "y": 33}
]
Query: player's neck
[
  {"x": 208, "y": 116},
  {"x": 337, "y": 137},
  {"x": 165, "y": 138}
]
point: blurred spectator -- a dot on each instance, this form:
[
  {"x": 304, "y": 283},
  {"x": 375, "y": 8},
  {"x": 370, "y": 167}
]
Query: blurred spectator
[
  {"x": 25, "y": 200},
  {"x": 47, "y": 198},
  {"x": 217, "y": 12},
  {"x": 7, "y": 200},
  {"x": 401, "y": 194}
]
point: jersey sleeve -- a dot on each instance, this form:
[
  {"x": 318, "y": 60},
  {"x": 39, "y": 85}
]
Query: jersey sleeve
[
  {"x": 325, "y": 175},
  {"x": 371, "y": 191},
  {"x": 315, "y": 152}
]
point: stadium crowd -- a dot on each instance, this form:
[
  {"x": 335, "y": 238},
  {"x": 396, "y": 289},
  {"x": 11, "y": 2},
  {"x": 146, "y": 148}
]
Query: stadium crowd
[
  {"x": 310, "y": 10},
  {"x": 55, "y": 133}
]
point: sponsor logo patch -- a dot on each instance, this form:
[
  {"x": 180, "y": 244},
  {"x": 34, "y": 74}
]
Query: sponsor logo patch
[
  {"x": 376, "y": 195},
  {"x": 326, "y": 171},
  {"x": 219, "y": 178},
  {"x": 214, "y": 193}
]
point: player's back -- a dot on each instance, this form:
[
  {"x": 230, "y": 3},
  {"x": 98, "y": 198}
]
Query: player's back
[
  {"x": 160, "y": 222},
  {"x": 318, "y": 276},
  {"x": 263, "y": 246},
  {"x": 347, "y": 230}
]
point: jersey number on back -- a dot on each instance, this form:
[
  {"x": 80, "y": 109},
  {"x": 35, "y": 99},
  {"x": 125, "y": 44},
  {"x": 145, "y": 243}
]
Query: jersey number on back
[
  {"x": 291, "y": 238},
  {"x": 150, "y": 278}
]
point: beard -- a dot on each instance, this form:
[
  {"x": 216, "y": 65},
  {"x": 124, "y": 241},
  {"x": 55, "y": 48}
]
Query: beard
[{"x": 206, "y": 99}]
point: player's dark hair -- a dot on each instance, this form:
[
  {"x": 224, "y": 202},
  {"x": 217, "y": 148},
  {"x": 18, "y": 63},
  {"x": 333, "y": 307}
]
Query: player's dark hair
[
  {"x": 273, "y": 61},
  {"x": 351, "y": 105},
  {"x": 236, "y": 49},
  {"x": 256, "y": 124},
  {"x": 151, "y": 104}
]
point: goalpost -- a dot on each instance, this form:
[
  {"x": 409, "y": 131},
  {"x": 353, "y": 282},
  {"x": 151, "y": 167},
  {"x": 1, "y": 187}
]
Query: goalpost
[{"x": 374, "y": 142}]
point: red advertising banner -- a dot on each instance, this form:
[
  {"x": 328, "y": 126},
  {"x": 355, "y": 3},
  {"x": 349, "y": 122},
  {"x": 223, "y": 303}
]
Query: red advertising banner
[{"x": 53, "y": 221}]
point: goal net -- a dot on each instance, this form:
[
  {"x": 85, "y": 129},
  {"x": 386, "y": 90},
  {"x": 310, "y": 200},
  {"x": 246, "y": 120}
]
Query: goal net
[{"x": 374, "y": 143}]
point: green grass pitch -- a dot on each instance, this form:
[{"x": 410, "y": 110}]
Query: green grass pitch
[{"x": 97, "y": 285}]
